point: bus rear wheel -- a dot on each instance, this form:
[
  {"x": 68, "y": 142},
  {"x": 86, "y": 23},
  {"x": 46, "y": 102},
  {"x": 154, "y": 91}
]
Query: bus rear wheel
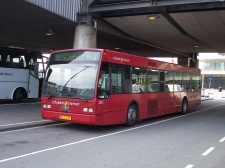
[
  {"x": 18, "y": 95},
  {"x": 131, "y": 115},
  {"x": 184, "y": 106}
]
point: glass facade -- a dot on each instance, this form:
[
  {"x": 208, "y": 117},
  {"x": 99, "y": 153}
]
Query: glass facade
[{"x": 214, "y": 66}]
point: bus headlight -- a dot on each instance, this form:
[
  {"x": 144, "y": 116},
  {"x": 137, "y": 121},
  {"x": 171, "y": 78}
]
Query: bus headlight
[
  {"x": 46, "y": 106},
  {"x": 90, "y": 110}
]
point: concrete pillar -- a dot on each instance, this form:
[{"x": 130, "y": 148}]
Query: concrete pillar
[
  {"x": 194, "y": 62},
  {"x": 190, "y": 62},
  {"x": 184, "y": 61},
  {"x": 85, "y": 37}
]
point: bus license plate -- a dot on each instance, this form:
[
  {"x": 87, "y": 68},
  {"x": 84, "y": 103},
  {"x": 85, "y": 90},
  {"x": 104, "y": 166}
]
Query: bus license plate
[{"x": 65, "y": 117}]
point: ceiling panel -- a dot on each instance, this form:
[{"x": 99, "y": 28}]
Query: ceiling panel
[{"x": 24, "y": 25}]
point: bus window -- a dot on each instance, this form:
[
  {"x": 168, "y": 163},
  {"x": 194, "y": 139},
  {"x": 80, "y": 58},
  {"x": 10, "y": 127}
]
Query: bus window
[
  {"x": 195, "y": 82},
  {"x": 15, "y": 61},
  {"x": 187, "y": 82},
  {"x": 161, "y": 81},
  {"x": 127, "y": 82},
  {"x": 104, "y": 73},
  {"x": 116, "y": 75},
  {"x": 153, "y": 81},
  {"x": 139, "y": 80},
  {"x": 178, "y": 82},
  {"x": 168, "y": 81},
  {"x": 31, "y": 65},
  {"x": 22, "y": 61},
  {"x": 1, "y": 61}
]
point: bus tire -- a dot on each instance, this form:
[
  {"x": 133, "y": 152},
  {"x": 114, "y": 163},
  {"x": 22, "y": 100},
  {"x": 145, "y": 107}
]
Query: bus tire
[
  {"x": 18, "y": 95},
  {"x": 184, "y": 109},
  {"x": 132, "y": 114}
]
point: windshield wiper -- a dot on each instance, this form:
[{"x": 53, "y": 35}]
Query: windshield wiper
[
  {"x": 75, "y": 75},
  {"x": 79, "y": 97},
  {"x": 54, "y": 94},
  {"x": 57, "y": 93}
]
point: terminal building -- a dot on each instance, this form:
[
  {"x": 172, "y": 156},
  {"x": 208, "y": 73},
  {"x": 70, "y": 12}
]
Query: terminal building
[{"x": 212, "y": 67}]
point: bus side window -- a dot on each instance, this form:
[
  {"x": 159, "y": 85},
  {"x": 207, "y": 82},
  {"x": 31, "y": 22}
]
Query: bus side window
[
  {"x": 31, "y": 66},
  {"x": 21, "y": 62},
  {"x": 1, "y": 61},
  {"x": 127, "y": 83},
  {"x": 116, "y": 76},
  {"x": 139, "y": 84},
  {"x": 161, "y": 86},
  {"x": 161, "y": 81},
  {"x": 7, "y": 61},
  {"x": 104, "y": 73}
]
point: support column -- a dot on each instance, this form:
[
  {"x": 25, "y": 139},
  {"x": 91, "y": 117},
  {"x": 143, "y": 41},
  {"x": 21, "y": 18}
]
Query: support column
[
  {"x": 190, "y": 62},
  {"x": 194, "y": 62},
  {"x": 184, "y": 61},
  {"x": 85, "y": 36}
]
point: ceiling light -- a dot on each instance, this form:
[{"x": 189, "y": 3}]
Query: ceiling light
[
  {"x": 153, "y": 17},
  {"x": 117, "y": 48},
  {"x": 50, "y": 32},
  {"x": 16, "y": 47},
  {"x": 197, "y": 46}
]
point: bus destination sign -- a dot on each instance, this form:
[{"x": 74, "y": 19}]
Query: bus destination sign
[
  {"x": 76, "y": 55},
  {"x": 66, "y": 56}
]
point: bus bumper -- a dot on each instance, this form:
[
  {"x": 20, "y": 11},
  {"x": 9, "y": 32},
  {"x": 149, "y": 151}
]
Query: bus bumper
[{"x": 73, "y": 118}]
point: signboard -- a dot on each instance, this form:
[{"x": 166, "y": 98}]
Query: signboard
[
  {"x": 210, "y": 77},
  {"x": 69, "y": 56}
]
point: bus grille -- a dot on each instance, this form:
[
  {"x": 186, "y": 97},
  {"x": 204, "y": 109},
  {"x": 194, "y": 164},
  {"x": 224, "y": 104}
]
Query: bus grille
[{"x": 152, "y": 106}]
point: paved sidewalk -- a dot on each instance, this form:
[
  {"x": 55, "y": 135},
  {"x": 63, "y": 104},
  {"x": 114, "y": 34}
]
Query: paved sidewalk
[
  {"x": 206, "y": 98},
  {"x": 210, "y": 94}
]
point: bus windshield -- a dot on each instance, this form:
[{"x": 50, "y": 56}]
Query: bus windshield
[{"x": 72, "y": 75}]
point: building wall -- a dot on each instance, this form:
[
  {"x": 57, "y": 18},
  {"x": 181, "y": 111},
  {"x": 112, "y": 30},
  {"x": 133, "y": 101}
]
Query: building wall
[{"x": 212, "y": 64}]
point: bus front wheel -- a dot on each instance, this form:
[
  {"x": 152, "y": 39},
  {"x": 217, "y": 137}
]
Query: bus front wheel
[
  {"x": 131, "y": 115},
  {"x": 18, "y": 95}
]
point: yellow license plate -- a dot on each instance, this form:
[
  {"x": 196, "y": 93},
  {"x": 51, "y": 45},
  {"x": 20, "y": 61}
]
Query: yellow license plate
[{"x": 65, "y": 117}]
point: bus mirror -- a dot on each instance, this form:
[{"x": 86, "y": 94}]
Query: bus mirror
[
  {"x": 36, "y": 66},
  {"x": 108, "y": 84}
]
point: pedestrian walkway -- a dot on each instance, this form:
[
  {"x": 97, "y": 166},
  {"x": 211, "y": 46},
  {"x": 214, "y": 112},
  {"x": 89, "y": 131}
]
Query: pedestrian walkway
[{"x": 209, "y": 94}]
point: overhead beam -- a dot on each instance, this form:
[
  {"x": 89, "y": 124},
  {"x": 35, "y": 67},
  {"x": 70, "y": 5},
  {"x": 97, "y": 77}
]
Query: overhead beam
[{"x": 143, "y": 4}]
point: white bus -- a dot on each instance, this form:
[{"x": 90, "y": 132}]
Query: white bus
[{"x": 19, "y": 78}]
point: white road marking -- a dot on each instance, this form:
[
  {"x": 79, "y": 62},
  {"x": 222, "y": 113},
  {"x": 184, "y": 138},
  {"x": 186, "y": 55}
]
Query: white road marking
[
  {"x": 98, "y": 137},
  {"x": 24, "y": 129},
  {"x": 23, "y": 123},
  {"x": 208, "y": 151},
  {"x": 222, "y": 140},
  {"x": 124, "y": 130},
  {"x": 189, "y": 166},
  {"x": 77, "y": 142},
  {"x": 18, "y": 104}
]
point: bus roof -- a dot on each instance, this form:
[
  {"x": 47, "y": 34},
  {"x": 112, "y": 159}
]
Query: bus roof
[
  {"x": 21, "y": 50},
  {"x": 134, "y": 60}
]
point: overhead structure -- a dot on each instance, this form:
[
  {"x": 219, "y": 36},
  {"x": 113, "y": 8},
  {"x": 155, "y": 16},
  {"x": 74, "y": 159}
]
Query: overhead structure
[
  {"x": 177, "y": 28},
  {"x": 180, "y": 27}
]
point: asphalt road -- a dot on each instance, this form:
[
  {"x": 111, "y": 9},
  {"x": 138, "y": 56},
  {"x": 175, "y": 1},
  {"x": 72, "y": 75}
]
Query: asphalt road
[{"x": 174, "y": 141}]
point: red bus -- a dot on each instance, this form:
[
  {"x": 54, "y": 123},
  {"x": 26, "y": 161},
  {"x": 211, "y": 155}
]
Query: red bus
[{"x": 103, "y": 87}]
